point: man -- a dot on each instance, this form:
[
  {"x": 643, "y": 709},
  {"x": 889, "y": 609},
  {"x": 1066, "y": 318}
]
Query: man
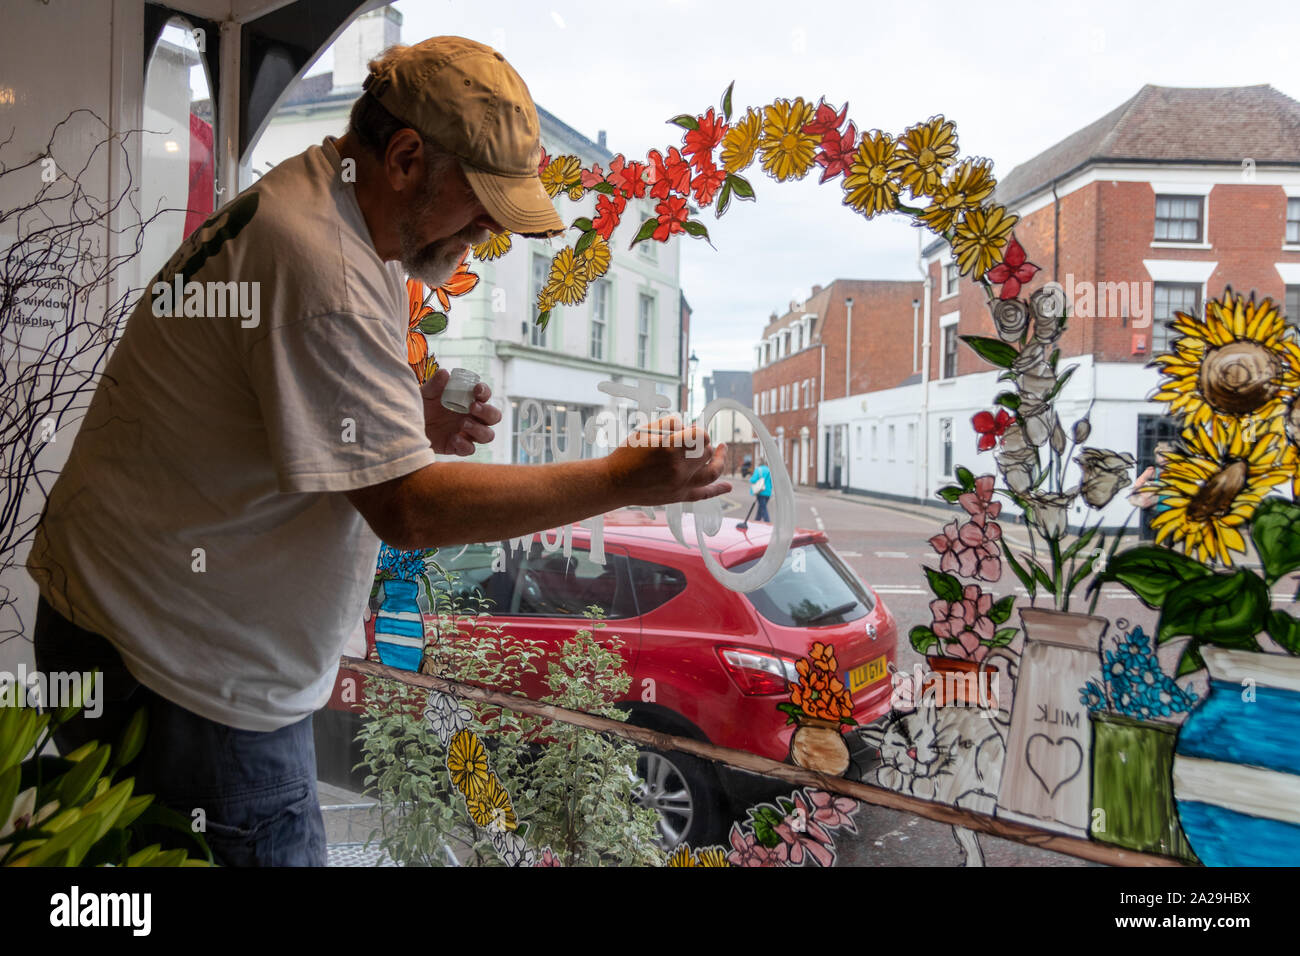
[{"x": 212, "y": 540}]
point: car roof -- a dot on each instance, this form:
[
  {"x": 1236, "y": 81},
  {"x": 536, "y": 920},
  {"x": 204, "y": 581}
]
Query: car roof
[{"x": 730, "y": 544}]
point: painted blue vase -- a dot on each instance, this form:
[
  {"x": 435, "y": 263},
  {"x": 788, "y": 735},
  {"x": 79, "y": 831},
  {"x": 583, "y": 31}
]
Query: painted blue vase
[
  {"x": 1237, "y": 762},
  {"x": 399, "y": 625}
]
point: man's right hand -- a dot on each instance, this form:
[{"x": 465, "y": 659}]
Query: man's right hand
[{"x": 666, "y": 463}]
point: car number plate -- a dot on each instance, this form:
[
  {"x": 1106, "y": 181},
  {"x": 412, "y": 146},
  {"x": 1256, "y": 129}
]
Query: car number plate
[{"x": 866, "y": 674}]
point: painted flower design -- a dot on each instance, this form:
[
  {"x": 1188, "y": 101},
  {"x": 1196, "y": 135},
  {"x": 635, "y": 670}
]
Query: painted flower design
[
  {"x": 567, "y": 281},
  {"x": 747, "y": 851},
  {"x": 963, "y": 625},
  {"x": 672, "y": 217},
  {"x": 926, "y": 151},
  {"x": 670, "y": 174},
  {"x": 490, "y": 806},
  {"x": 1013, "y": 271},
  {"x": 627, "y": 177},
  {"x": 547, "y": 858},
  {"x": 871, "y": 186},
  {"x": 787, "y": 150},
  {"x": 493, "y": 247},
  {"x": 445, "y": 715},
  {"x": 561, "y": 173},
  {"x": 970, "y": 550},
  {"x": 467, "y": 763},
  {"x": 699, "y": 143},
  {"x": 608, "y": 212},
  {"x": 1104, "y": 474},
  {"x": 820, "y": 693},
  {"x": 837, "y": 151},
  {"x": 707, "y": 182},
  {"x": 741, "y": 142},
  {"x": 802, "y": 838},
  {"x": 968, "y": 184},
  {"x": 980, "y": 238},
  {"x": 832, "y": 811},
  {"x": 595, "y": 259},
  {"x": 990, "y": 427}
]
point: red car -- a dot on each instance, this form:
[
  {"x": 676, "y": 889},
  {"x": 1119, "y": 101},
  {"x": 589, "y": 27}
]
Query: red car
[{"x": 706, "y": 662}]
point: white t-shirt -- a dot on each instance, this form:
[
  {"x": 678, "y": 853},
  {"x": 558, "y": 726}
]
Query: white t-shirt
[{"x": 198, "y": 523}]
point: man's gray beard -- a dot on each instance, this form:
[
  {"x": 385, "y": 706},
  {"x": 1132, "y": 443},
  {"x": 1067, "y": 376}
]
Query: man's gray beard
[{"x": 436, "y": 262}]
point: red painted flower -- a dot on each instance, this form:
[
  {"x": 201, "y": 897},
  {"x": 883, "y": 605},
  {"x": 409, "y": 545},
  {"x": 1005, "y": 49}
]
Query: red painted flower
[
  {"x": 1012, "y": 271},
  {"x": 837, "y": 152},
  {"x": 608, "y": 211},
  {"x": 991, "y": 428},
  {"x": 669, "y": 175},
  {"x": 825, "y": 120},
  {"x": 543, "y": 162},
  {"x": 700, "y": 143},
  {"x": 628, "y": 178},
  {"x": 672, "y": 214},
  {"x": 590, "y": 177},
  {"x": 707, "y": 183}
]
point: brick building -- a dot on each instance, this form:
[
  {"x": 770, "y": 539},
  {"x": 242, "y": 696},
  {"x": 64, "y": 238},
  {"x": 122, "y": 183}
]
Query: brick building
[
  {"x": 1151, "y": 209},
  {"x": 841, "y": 341}
]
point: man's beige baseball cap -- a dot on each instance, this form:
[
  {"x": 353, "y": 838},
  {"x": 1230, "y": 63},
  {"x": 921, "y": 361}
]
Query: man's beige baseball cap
[{"x": 468, "y": 99}]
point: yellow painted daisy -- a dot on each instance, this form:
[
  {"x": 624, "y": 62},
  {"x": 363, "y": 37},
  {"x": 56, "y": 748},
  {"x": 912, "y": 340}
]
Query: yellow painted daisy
[
  {"x": 926, "y": 150},
  {"x": 1211, "y": 487},
  {"x": 681, "y": 857},
  {"x": 567, "y": 281},
  {"x": 786, "y": 149},
  {"x": 560, "y": 173},
  {"x": 467, "y": 763},
  {"x": 711, "y": 856},
  {"x": 969, "y": 183},
  {"x": 595, "y": 259},
  {"x": 741, "y": 141},
  {"x": 980, "y": 238},
  {"x": 871, "y": 186},
  {"x": 493, "y": 247},
  {"x": 490, "y": 808},
  {"x": 576, "y": 191},
  {"x": 1242, "y": 359}
]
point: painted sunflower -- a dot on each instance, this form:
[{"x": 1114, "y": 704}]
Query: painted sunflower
[
  {"x": 560, "y": 174},
  {"x": 467, "y": 764},
  {"x": 1211, "y": 487},
  {"x": 567, "y": 282},
  {"x": 595, "y": 259},
  {"x": 681, "y": 857},
  {"x": 926, "y": 150},
  {"x": 490, "y": 807},
  {"x": 871, "y": 186},
  {"x": 493, "y": 247},
  {"x": 969, "y": 183},
  {"x": 1241, "y": 361},
  {"x": 786, "y": 149},
  {"x": 741, "y": 142},
  {"x": 711, "y": 856},
  {"x": 980, "y": 238}
]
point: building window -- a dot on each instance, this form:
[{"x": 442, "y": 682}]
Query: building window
[
  {"x": 1293, "y": 219},
  {"x": 1178, "y": 218},
  {"x": 875, "y": 452},
  {"x": 805, "y": 393},
  {"x": 1168, "y": 298},
  {"x": 812, "y": 390},
  {"x": 951, "y": 276},
  {"x": 911, "y": 440},
  {"x": 1293, "y": 304},
  {"x": 889, "y": 442},
  {"x": 945, "y": 437},
  {"x": 644, "y": 325},
  {"x": 949, "y": 351},
  {"x": 771, "y": 399},
  {"x": 857, "y": 440},
  {"x": 794, "y": 397},
  {"x": 541, "y": 269},
  {"x": 599, "y": 318}
]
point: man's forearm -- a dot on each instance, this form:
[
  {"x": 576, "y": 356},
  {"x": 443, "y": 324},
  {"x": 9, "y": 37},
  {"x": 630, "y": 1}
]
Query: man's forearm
[{"x": 445, "y": 503}]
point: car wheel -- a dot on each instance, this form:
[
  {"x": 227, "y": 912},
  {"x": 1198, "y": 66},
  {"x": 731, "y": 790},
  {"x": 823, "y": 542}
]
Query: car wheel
[{"x": 683, "y": 790}]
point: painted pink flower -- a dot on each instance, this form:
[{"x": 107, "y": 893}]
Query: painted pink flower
[
  {"x": 747, "y": 851},
  {"x": 833, "y": 811},
  {"x": 547, "y": 858},
  {"x": 979, "y": 504},
  {"x": 802, "y": 837},
  {"x": 966, "y": 622},
  {"x": 592, "y": 177},
  {"x": 970, "y": 550}
]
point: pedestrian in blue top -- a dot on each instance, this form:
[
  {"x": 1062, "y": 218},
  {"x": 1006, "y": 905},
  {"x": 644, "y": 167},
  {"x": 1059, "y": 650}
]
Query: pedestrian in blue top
[{"x": 761, "y": 485}]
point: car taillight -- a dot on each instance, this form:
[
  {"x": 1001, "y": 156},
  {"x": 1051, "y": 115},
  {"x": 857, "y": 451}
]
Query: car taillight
[{"x": 757, "y": 673}]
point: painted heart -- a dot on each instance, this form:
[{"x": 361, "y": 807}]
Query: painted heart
[{"x": 1049, "y": 762}]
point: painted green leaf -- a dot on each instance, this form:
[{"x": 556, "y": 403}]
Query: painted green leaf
[
  {"x": 1001, "y": 610},
  {"x": 685, "y": 121},
  {"x": 1275, "y": 530},
  {"x": 544, "y": 320},
  {"x": 741, "y": 186},
  {"x": 584, "y": 242},
  {"x": 604, "y": 187},
  {"x": 923, "y": 638},
  {"x": 1026, "y": 579},
  {"x": 1285, "y": 629},
  {"x": 724, "y": 200},
  {"x": 1002, "y": 637},
  {"x": 994, "y": 351},
  {"x": 646, "y": 231},
  {"x": 950, "y": 494},
  {"x": 582, "y": 224},
  {"x": 1008, "y": 400},
  {"x": 726, "y": 101},
  {"x": 695, "y": 228},
  {"x": 1152, "y": 572},
  {"x": 966, "y": 478},
  {"x": 433, "y": 323},
  {"x": 1224, "y": 609},
  {"x": 944, "y": 585},
  {"x": 1080, "y": 543}
]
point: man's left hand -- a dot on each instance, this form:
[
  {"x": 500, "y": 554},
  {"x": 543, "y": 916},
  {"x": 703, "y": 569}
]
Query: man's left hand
[{"x": 453, "y": 433}]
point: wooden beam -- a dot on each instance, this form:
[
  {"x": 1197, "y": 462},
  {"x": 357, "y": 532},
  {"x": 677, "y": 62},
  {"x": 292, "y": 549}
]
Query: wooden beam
[{"x": 876, "y": 796}]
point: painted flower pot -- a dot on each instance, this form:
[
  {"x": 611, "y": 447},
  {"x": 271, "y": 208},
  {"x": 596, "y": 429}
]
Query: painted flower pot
[
  {"x": 1236, "y": 765},
  {"x": 956, "y": 681},
  {"x": 819, "y": 745},
  {"x": 1132, "y": 786},
  {"x": 399, "y": 625}
]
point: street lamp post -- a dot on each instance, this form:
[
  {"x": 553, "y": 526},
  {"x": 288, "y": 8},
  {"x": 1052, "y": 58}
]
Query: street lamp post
[{"x": 693, "y": 365}]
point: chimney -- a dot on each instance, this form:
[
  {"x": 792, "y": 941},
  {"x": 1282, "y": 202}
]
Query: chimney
[
  {"x": 365, "y": 38},
  {"x": 600, "y": 139},
  {"x": 816, "y": 289}
]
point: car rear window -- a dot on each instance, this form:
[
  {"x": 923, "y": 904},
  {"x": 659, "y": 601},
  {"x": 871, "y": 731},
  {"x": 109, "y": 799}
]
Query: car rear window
[
  {"x": 812, "y": 589},
  {"x": 655, "y": 584}
]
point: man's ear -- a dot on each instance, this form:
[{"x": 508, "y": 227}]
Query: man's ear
[{"x": 404, "y": 160}]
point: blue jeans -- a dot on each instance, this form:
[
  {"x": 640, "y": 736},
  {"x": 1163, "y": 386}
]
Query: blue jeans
[
  {"x": 251, "y": 794},
  {"x": 762, "y": 509}
]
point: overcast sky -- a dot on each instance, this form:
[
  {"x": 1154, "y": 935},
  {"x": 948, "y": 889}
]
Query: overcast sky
[{"x": 1015, "y": 77}]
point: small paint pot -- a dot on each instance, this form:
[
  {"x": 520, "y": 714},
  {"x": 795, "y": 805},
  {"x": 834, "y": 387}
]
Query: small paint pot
[{"x": 459, "y": 393}]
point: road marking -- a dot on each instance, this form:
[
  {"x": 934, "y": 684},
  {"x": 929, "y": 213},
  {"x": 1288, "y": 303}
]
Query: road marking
[
  {"x": 889, "y": 554},
  {"x": 896, "y": 589},
  {"x": 821, "y": 525},
  {"x": 813, "y": 509},
  {"x": 849, "y": 554}
]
